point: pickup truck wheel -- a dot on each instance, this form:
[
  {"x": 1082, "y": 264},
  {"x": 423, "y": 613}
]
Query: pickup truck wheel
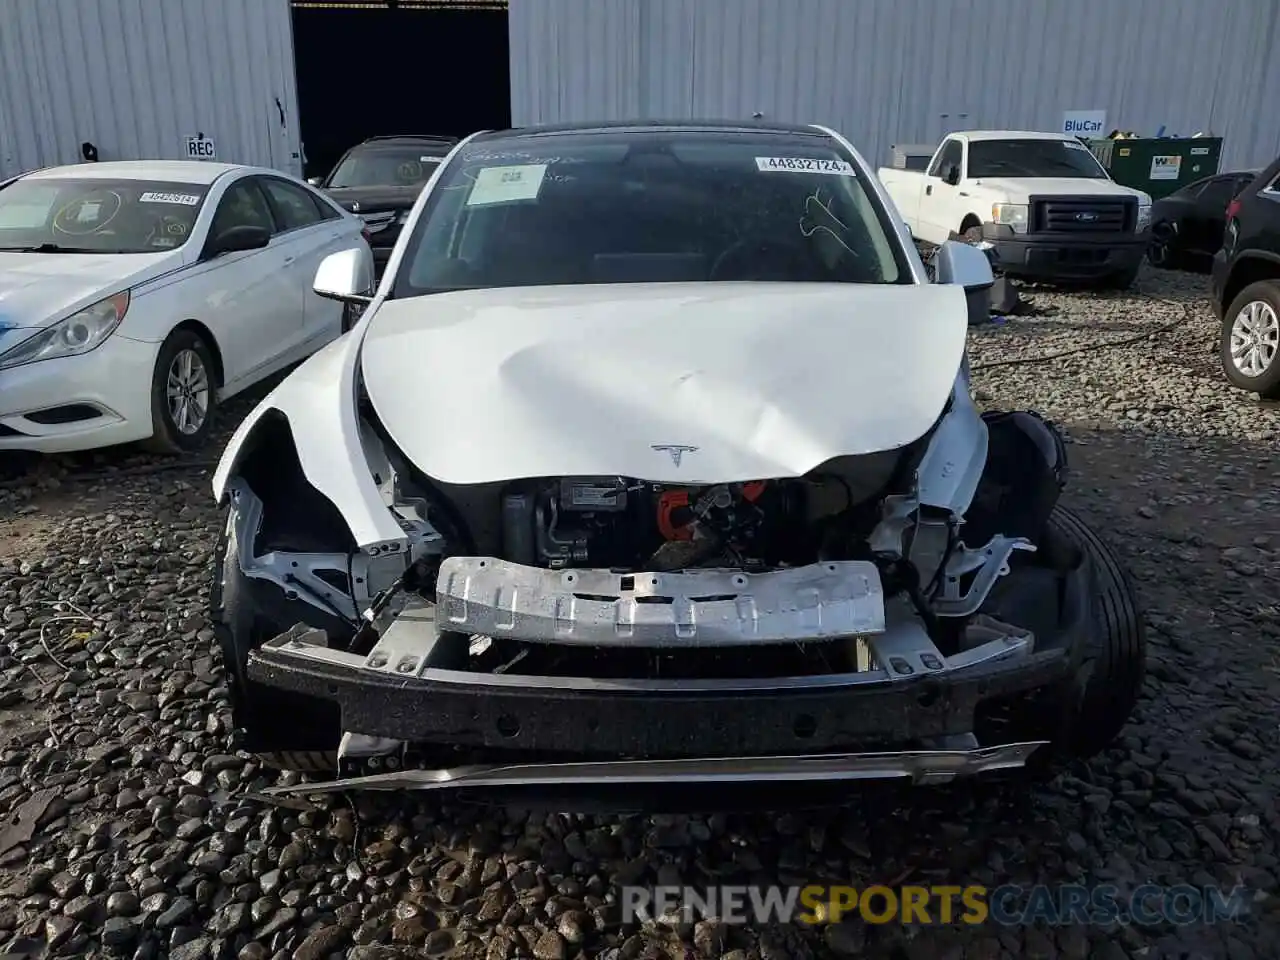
[
  {"x": 1250, "y": 342},
  {"x": 972, "y": 235},
  {"x": 286, "y": 731},
  {"x": 1123, "y": 279}
]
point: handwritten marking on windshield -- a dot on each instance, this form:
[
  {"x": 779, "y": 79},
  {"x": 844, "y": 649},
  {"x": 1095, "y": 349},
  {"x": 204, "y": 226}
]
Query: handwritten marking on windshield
[{"x": 815, "y": 212}]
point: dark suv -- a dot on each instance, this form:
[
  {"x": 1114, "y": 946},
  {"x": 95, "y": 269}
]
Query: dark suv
[
  {"x": 1246, "y": 286},
  {"x": 379, "y": 180}
]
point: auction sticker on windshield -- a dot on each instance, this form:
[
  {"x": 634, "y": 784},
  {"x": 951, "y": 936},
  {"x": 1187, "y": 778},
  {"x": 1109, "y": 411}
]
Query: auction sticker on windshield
[
  {"x": 185, "y": 199},
  {"x": 839, "y": 168},
  {"x": 507, "y": 184}
]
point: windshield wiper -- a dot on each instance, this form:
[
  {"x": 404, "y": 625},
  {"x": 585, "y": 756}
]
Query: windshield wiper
[{"x": 48, "y": 248}]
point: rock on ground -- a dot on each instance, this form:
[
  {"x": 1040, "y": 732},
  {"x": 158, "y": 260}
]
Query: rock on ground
[{"x": 150, "y": 846}]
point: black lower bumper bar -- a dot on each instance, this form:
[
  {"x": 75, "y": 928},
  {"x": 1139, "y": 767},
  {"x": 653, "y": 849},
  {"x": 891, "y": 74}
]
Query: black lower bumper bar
[
  {"x": 919, "y": 695},
  {"x": 1063, "y": 256}
]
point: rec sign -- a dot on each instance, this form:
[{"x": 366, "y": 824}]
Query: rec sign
[{"x": 200, "y": 148}]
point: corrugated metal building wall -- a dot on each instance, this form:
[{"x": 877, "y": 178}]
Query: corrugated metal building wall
[
  {"x": 908, "y": 71},
  {"x": 138, "y": 77}
]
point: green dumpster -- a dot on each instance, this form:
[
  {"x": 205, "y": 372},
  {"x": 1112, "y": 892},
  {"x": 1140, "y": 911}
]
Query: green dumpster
[{"x": 1158, "y": 165}]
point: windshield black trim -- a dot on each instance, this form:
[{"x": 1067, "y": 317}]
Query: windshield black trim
[{"x": 670, "y": 126}]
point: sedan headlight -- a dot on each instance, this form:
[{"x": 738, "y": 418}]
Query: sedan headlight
[
  {"x": 1144, "y": 217},
  {"x": 1013, "y": 215},
  {"x": 79, "y": 333}
]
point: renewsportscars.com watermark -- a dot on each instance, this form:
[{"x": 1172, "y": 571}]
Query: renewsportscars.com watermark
[{"x": 1007, "y": 905}]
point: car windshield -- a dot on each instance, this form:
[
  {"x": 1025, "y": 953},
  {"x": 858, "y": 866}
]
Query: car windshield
[
  {"x": 97, "y": 215},
  {"x": 399, "y": 166},
  {"x": 649, "y": 206},
  {"x": 1033, "y": 158}
]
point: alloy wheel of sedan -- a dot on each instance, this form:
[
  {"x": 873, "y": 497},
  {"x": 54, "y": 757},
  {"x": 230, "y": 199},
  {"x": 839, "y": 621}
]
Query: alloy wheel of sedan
[
  {"x": 1255, "y": 338},
  {"x": 187, "y": 392}
]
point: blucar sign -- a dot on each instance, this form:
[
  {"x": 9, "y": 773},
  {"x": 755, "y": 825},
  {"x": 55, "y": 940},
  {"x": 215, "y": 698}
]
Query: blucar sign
[{"x": 1084, "y": 123}]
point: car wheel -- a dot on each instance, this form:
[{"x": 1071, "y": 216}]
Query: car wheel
[
  {"x": 1112, "y": 666},
  {"x": 285, "y": 730},
  {"x": 1083, "y": 716},
  {"x": 1161, "y": 252},
  {"x": 183, "y": 394},
  {"x": 1251, "y": 339},
  {"x": 351, "y": 314}
]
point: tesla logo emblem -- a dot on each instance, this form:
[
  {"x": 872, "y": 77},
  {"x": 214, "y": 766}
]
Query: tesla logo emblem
[
  {"x": 676, "y": 450},
  {"x": 355, "y": 206},
  {"x": 1085, "y": 216}
]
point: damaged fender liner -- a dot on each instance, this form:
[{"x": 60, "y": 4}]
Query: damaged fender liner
[{"x": 599, "y": 721}]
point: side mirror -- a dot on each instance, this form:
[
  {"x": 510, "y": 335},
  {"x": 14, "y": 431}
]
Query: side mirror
[
  {"x": 964, "y": 265},
  {"x": 951, "y": 175},
  {"x": 346, "y": 276},
  {"x": 967, "y": 266},
  {"x": 237, "y": 239},
  {"x": 315, "y": 181}
]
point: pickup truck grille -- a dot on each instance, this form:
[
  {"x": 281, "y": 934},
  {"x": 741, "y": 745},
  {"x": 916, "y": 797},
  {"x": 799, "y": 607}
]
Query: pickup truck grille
[{"x": 1083, "y": 215}]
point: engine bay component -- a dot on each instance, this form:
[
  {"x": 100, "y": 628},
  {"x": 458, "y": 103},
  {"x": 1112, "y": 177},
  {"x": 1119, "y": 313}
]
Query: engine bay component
[
  {"x": 590, "y": 496},
  {"x": 675, "y": 516},
  {"x": 618, "y": 523}
]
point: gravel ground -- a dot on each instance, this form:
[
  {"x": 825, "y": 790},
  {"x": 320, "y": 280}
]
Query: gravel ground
[{"x": 152, "y": 843}]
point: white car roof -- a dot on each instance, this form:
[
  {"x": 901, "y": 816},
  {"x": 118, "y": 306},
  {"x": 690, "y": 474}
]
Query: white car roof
[
  {"x": 1011, "y": 135},
  {"x": 188, "y": 171}
]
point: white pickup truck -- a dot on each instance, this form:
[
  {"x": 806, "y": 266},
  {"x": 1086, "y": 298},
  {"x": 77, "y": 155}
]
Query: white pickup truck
[{"x": 1039, "y": 203}]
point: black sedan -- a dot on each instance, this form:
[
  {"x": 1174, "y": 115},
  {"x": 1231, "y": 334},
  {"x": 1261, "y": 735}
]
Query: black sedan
[
  {"x": 1186, "y": 226},
  {"x": 379, "y": 180}
]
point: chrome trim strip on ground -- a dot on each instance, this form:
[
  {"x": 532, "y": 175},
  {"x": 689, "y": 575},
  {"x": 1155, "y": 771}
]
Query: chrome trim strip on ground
[{"x": 924, "y": 766}]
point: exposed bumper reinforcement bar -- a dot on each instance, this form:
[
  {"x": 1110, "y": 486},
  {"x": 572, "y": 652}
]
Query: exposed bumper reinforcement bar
[
  {"x": 922, "y": 766},
  {"x": 703, "y": 607}
]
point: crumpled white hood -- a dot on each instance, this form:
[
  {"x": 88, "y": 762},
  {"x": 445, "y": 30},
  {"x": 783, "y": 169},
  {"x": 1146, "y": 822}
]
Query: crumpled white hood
[{"x": 748, "y": 380}]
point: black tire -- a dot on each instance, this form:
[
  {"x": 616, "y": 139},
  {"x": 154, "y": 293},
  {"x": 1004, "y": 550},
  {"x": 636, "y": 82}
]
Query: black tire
[
  {"x": 1083, "y": 715},
  {"x": 285, "y": 730},
  {"x": 167, "y": 436},
  {"x": 1112, "y": 666},
  {"x": 1122, "y": 279},
  {"x": 1266, "y": 383},
  {"x": 1161, "y": 252},
  {"x": 971, "y": 235},
  {"x": 350, "y": 315}
]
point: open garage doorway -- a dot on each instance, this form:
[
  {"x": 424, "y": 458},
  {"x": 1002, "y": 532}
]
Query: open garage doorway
[{"x": 379, "y": 67}]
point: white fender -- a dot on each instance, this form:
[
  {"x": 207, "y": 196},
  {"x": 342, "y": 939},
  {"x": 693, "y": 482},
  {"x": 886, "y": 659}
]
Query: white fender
[
  {"x": 951, "y": 468},
  {"x": 319, "y": 402}
]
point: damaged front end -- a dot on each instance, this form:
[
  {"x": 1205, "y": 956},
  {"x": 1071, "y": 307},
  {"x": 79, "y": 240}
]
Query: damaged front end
[{"x": 887, "y": 616}]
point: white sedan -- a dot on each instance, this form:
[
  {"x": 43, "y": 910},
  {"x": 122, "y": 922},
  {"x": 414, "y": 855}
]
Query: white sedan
[{"x": 134, "y": 296}]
